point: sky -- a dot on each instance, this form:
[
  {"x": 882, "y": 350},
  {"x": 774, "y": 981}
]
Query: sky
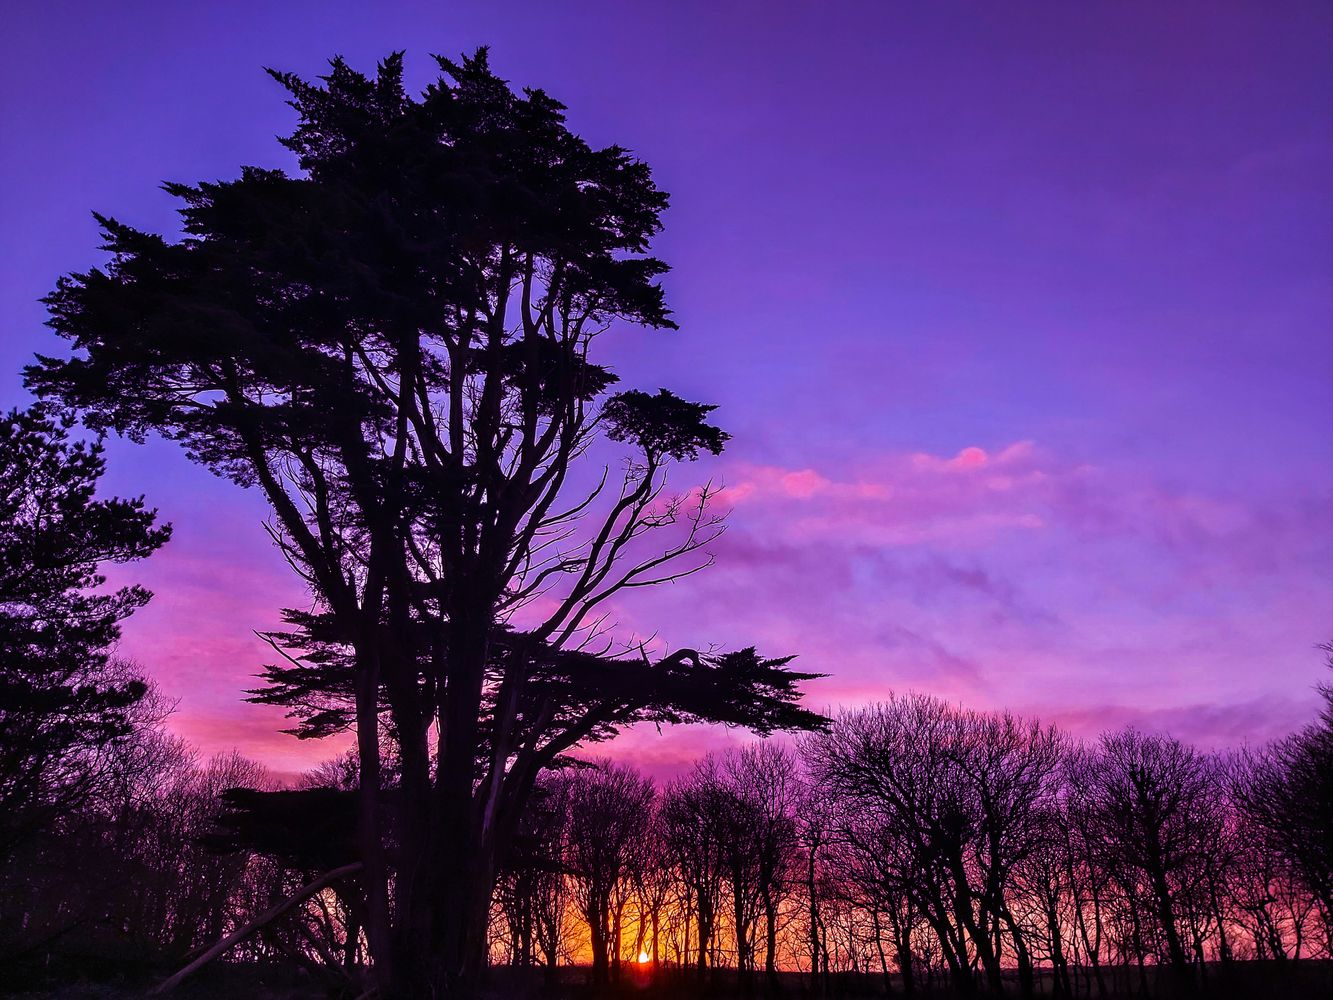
[{"x": 1020, "y": 316}]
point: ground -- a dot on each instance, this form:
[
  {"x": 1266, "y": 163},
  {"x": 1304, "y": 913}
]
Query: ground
[{"x": 1239, "y": 981}]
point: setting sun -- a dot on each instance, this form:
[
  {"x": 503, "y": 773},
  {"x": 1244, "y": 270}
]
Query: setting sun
[{"x": 644, "y": 958}]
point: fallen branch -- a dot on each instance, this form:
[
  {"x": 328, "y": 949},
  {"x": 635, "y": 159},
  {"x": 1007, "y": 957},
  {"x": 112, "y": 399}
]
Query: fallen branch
[{"x": 267, "y": 917}]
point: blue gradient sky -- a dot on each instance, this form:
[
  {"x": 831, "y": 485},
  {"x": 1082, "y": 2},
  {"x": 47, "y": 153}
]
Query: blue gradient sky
[{"x": 1020, "y": 315}]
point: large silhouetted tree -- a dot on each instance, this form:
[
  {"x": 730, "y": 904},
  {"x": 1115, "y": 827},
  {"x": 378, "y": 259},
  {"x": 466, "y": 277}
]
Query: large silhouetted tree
[{"x": 393, "y": 344}]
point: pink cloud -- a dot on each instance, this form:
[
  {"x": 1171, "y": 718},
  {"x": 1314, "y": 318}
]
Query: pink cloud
[
  {"x": 768, "y": 482},
  {"x": 908, "y": 499},
  {"x": 256, "y": 731},
  {"x": 997, "y": 577},
  {"x": 1015, "y": 577},
  {"x": 1208, "y": 725},
  {"x": 973, "y": 457}
]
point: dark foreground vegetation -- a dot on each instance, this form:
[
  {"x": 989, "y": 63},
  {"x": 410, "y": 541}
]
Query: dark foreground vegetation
[
  {"x": 911, "y": 847},
  {"x": 1238, "y": 981},
  {"x": 393, "y": 344}
]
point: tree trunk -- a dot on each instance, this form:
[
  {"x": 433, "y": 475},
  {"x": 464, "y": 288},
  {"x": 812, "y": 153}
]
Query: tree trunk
[
  {"x": 879, "y": 947},
  {"x": 441, "y": 941},
  {"x": 379, "y": 930},
  {"x": 600, "y": 961},
  {"x": 1026, "y": 979},
  {"x": 771, "y": 939}
]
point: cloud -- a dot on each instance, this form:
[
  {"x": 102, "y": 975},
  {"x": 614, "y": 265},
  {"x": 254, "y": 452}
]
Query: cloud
[
  {"x": 256, "y": 731},
  {"x": 910, "y": 499},
  {"x": 994, "y": 576},
  {"x": 1207, "y": 725},
  {"x": 1018, "y": 576}
]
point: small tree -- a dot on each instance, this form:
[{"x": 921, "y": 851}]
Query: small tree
[
  {"x": 532, "y": 892},
  {"x": 689, "y": 811},
  {"x": 62, "y": 702},
  {"x": 1286, "y": 790},
  {"x": 1156, "y": 820},
  {"x": 610, "y": 808},
  {"x": 755, "y": 789}
]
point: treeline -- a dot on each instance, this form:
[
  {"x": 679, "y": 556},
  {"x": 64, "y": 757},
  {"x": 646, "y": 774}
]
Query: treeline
[
  {"x": 928, "y": 845},
  {"x": 912, "y": 843}
]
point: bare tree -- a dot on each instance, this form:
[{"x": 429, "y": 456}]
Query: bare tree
[
  {"x": 610, "y": 807},
  {"x": 688, "y": 819},
  {"x": 943, "y": 806},
  {"x": 1155, "y": 820},
  {"x": 757, "y": 788},
  {"x": 531, "y": 891},
  {"x": 1286, "y": 791}
]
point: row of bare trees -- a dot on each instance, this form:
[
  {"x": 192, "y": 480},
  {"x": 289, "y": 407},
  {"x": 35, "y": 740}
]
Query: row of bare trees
[
  {"x": 912, "y": 841},
  {"x": 933, "y": 846}
]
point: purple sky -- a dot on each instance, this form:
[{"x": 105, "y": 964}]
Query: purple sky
[{"x": 1020, "y": 315}]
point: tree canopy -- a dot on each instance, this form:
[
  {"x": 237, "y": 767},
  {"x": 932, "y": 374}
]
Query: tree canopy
[
  {"x": 393, "y": 343},
  {"x": 61, "y": 697}
]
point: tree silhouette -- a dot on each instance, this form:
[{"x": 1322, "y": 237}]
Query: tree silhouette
[
  {"x": 691, "y": 832},
  {"x": 393, "y": 345},
  {"x": 61, "y": 700},
  {"x": 1287, "y": 792},
  {"x": 1155, "y": 819},
  {"x": 609, "y": 809},
  {"x": 938, "y": 808},
  {"x": 532, "y": 894}
]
